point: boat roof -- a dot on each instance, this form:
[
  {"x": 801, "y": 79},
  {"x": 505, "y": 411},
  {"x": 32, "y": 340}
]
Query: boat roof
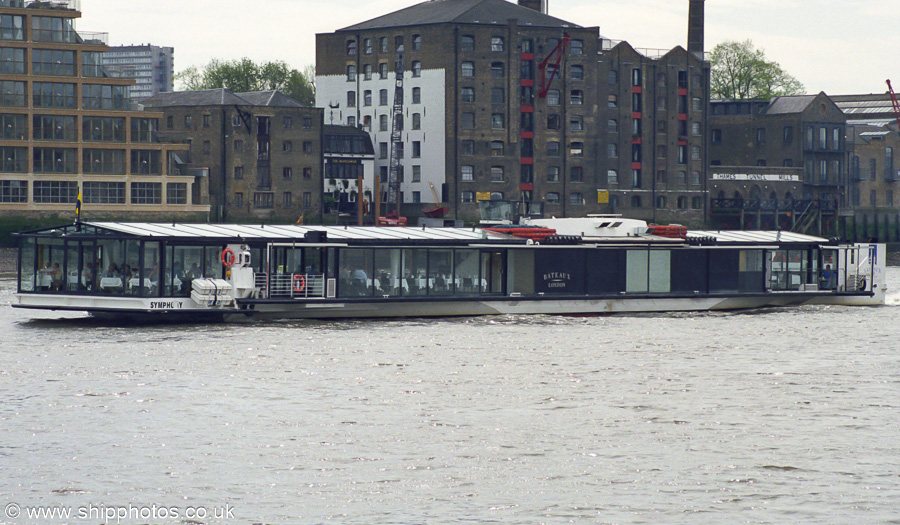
[
  {"x": 280, "y": 232},
  {"x": 755, "y": 237}
]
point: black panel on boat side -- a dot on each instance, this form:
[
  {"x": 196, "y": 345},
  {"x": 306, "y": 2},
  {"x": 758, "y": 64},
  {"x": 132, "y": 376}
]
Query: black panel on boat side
[
  {"x": 689, "y": 271},
  {"x": 723, "y": 271},
  {"x": 559, "y": 271},
  {"x": 605, "y": 271}
]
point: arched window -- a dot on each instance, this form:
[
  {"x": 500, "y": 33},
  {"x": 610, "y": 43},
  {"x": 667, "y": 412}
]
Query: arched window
[{"x": 416, "y": 68}]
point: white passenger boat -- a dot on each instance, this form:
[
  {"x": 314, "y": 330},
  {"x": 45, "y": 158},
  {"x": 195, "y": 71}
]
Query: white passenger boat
[{"x": 591, "y": 265}]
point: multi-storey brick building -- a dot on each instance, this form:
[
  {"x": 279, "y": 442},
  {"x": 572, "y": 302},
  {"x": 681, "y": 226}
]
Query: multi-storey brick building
[
  {"x": 873, "y": 142},
  {"x": 262, "y": 151},
  {"x": 807, "y": 131},
  {"x": 68, "y": 128},
  {"x": 504, "y": 102},
  {"x": 152, "y": 68}
]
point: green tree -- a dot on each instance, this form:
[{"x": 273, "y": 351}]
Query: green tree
[
  {"x": 244, "y": 75},
  {"x": 739, "y": 71}
]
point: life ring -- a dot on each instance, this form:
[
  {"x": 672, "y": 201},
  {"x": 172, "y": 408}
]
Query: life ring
[
  {"x": 227, "y": 257},
  {"x": 295, "y": 279}
]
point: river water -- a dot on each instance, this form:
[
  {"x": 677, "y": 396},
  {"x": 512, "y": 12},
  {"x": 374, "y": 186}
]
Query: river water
[{"x": 769, "y": 416}]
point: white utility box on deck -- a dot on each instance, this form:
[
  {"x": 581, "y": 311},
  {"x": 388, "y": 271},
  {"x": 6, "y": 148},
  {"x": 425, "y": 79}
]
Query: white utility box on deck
[{"x": 211, "y": 292}]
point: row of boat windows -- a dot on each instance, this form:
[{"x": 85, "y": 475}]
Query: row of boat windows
[{"x": 151, "y": 269}]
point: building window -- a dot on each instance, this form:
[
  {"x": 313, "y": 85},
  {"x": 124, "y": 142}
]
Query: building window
[
  {"x": 696, "y": 104},
  {"x": 715, "y": 136},
  {"x": 636, "y": 77},
  {"x": 416, "y": 149},
  {"x": 498, "y": 121},
  {"x": 467, "y": 196},
  {"x": 467, "y": 173},
  {"x": 287, "y": 146},
  {"x": 263, "y": 200},
  {"x": 612, "y": 150},
  {"x": 367, "y": 72},
  {"x": 416, "y": 68},
  {"x": 576, "y": 174},
  {"x": 207, "y": 120},
  {"x": 417, "y": 121},
  {"x": 467, "y": 95},
  {"x": 576, "y": 149},
  {"x": 552, "y": 173},
  {"x": 553, "y": 148},
  {"x": 498, "y": 70},
  {"x": 307, "y": 147},
  {"x": 47, "y": 62},
  {"x": 576, "y": 198},
  {"x": 417, "y": 95},
  {"x": 367, "y": 97},
  {"x": 612, "y": 77},
  {"x": 467, "y": 43},
  {"x": 661, "y": 202},
  {"x": 467, "y": 120},
  {"x": 383, "y": 70},
  {"x": 695, "y": 152},
  {"x": 612, "y": 177},
  {"x": 553, "y": 97},
  {"x": 383, "y": 44},
  {"x": 351, "y": 47},
  {"x": 497, "y": 147},
  {"x": 497, "y": 43},
  {"x": 552, "y": 197},
  {"x": 398, "y": 43},
  {"x": 382, "y": 150},
  {"x": 238, "y": 172},
  {"x": 788, "y": 134},
  {"x": 417, "y": 173},
  {"x": 760, "y": 135},
  {"x": 468, "y": 69},
  {"x": 307, "y": 173},
  {"x": 695, "y": 129},
  {"x": 367, "y": 46},
  {"x": 576, "y": 47},
  {"x": 351, "y": 73},
  {"x": 286, "y": 200},
  {"x": 497, "y": 174},
  {"x": 635, "y": 201},
  {"x": 576, "y": 98},
  {"x": 498, "y": 96},
  {"x": 612, "y": 125},
  {"x": 12, "y": 94},
  {"x": 351, "y": 99},
  {"x": 383, "y": 123},
  {"x": 553, "y": 121},
  {"x": 146, "y": 193},
  {"x": 382, "y": 97},
  {"x": 206, "y": 147},
  {"x": 467, "y": 148},
  {"x": 612, "y": 101},
  {"x": 417, "y": 42},
  {"x": 576, "y": 73}
]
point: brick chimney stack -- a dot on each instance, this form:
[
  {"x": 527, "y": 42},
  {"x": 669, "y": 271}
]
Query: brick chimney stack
[
  {"x": 538, "y": 5},
  {"x": 695, "y": 28}
]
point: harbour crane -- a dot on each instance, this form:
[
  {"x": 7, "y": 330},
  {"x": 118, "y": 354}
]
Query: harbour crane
[{"x": 556, "y": 55}]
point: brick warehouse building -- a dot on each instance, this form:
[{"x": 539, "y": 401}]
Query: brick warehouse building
[
  {"x": 261, "y": 150},
  {"x": 483, "y": 120},
  {"x": 67, "y": 127}
]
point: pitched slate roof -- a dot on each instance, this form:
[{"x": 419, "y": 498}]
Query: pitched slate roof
[
  {"x": 220, "y": 97},
  {"x": 488, "y": 12},
  {"x": 792, "y": 104},
  {"x": 205, "y": 97}
]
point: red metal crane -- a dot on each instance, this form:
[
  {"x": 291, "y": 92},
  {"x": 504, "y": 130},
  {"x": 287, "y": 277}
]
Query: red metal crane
[
  {"x": 556, "y": 55},
  {"x": 894, "y": 103}
]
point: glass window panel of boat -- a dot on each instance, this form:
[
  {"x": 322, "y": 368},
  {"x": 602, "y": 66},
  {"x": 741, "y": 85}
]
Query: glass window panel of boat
[
  {"x": 637, "y": 264},
  {"x": 212, "y": 262},
  {"x": 440, "y": 272},
  {"x": 130, "y": 265},
  {"x": 50, "y": 261},
  {"x": 109, "y": 260},
  {"x": 103, "y": 129},
  {"x": 415, "y": 264},
  {"x": 466, "y": 272},
  {"x": 148, "y": 277},
  {"x": 520, "y": 277},
  {"x": 355, "y": 274},
  {"x": 54, "y": 127},
  {"x": 491, "y": 272},
  {"x": 27, "y": 265},
  {"x": 88, "y": 272},
  {"x": 12, "y": 61},
  {"x": 796, "y": 268},
  {"x": 779, "y": 270},
  {"x": 71, "y": 268},
  {"x": 186, "y": 263},
  {"x": 660, "y": 271},
  {"x": 387, "y": 271}
]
